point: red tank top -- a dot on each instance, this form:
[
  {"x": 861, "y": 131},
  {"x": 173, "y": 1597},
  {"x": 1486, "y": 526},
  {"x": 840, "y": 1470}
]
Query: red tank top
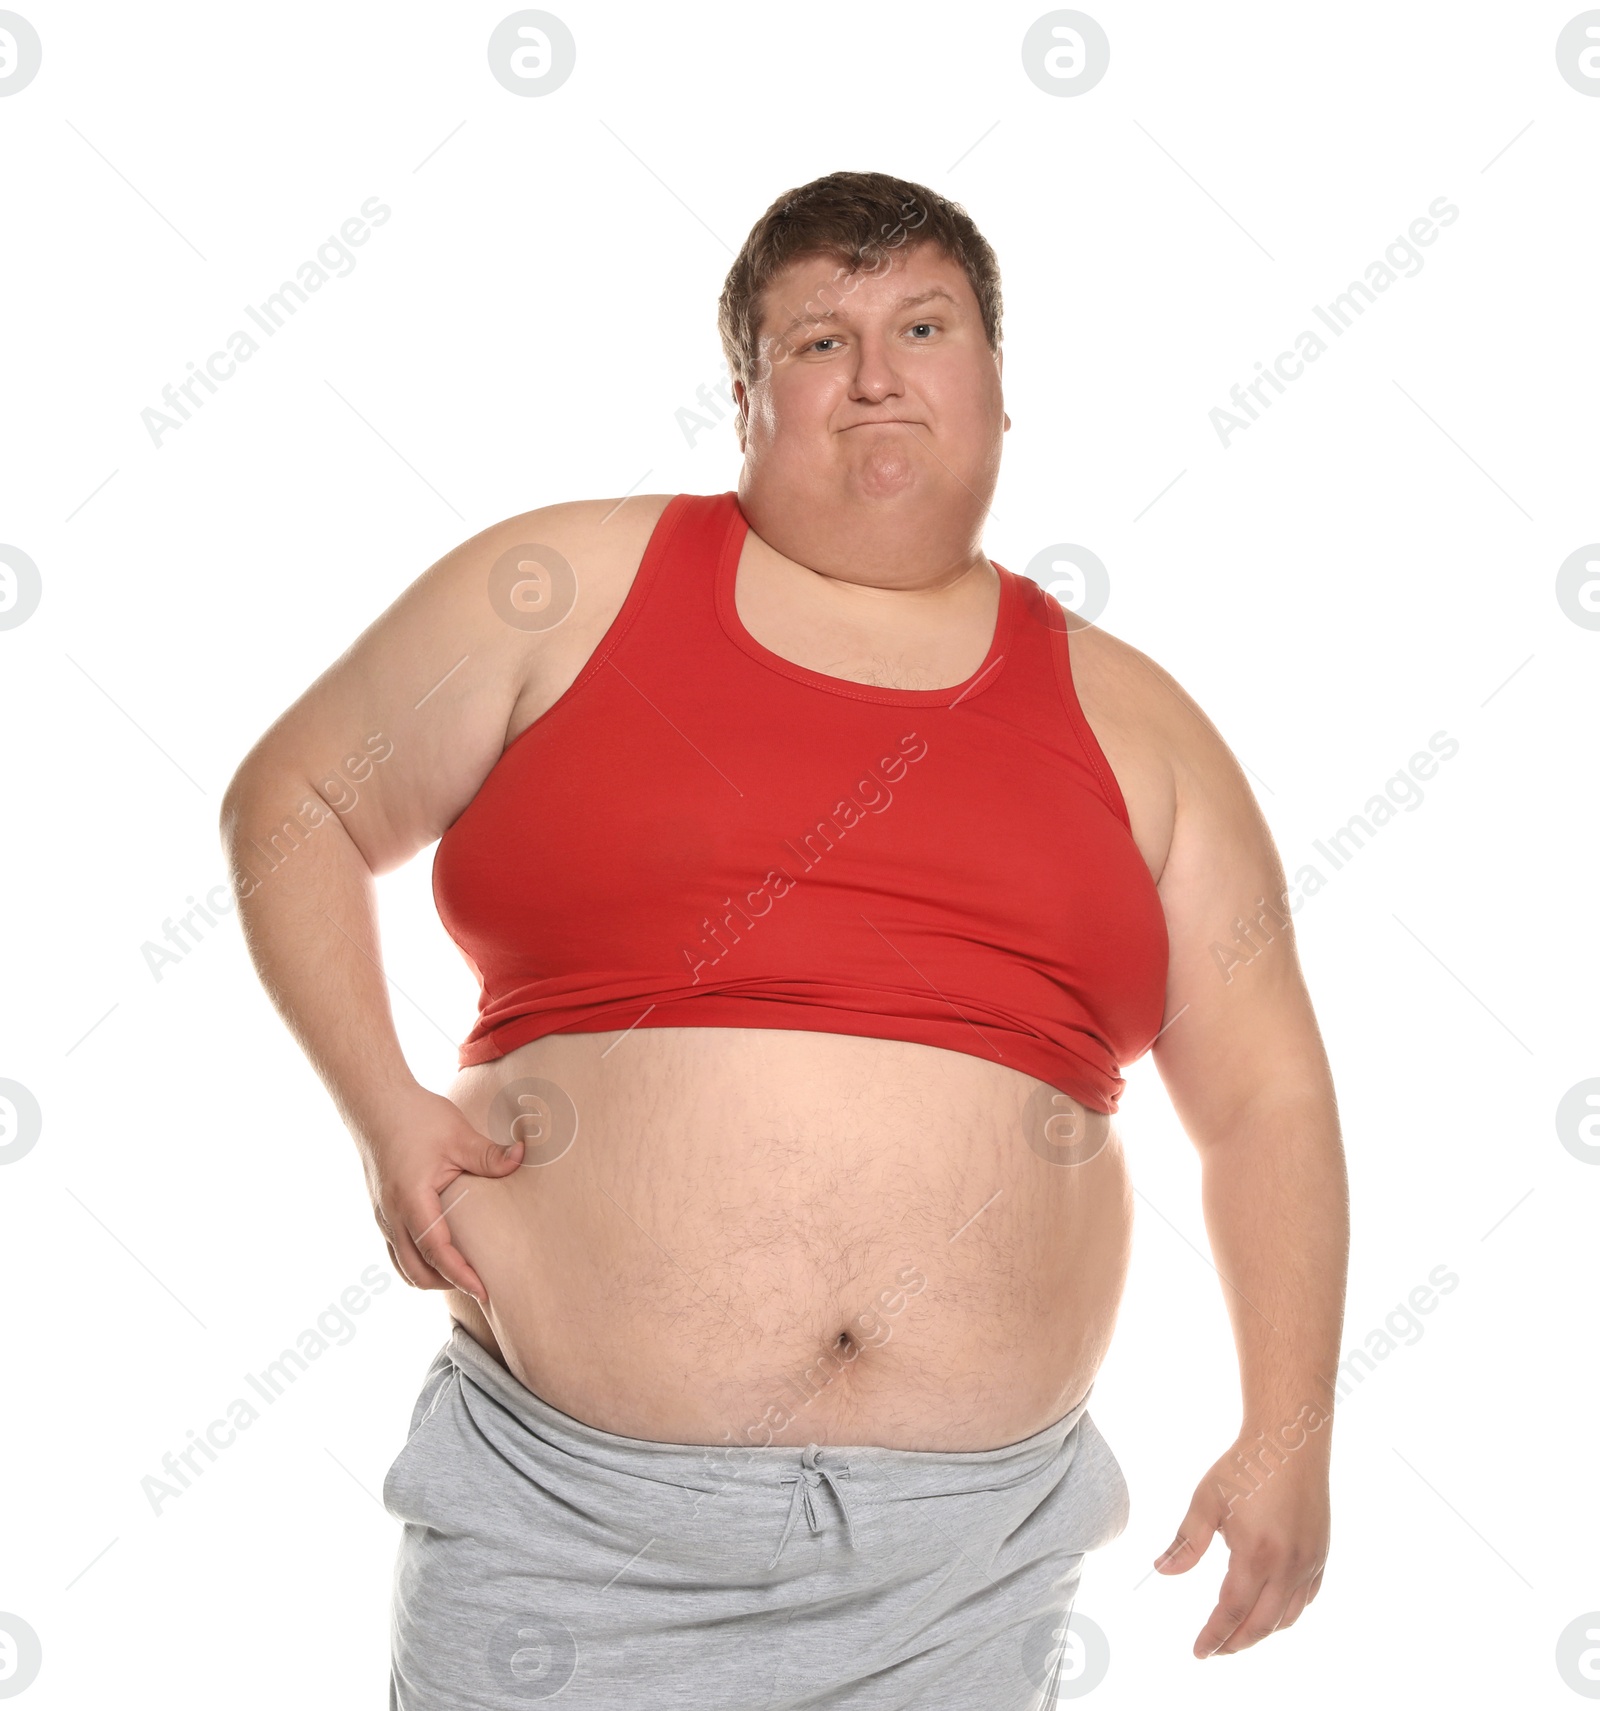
[{"x": 700, "y": 833}]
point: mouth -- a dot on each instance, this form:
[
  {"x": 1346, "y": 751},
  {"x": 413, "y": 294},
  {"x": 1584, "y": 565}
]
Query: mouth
[{"x": 886, "y": 422}]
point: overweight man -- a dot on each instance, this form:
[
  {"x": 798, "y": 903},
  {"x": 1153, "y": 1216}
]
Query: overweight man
[{"x": 820, "y": 877}]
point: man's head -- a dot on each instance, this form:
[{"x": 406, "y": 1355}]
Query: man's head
[{"x": 861, "y": 325}]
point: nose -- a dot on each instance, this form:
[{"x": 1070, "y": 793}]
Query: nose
[{"x": 875, "y": 377}]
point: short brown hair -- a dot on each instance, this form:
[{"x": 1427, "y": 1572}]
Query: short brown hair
[{"x": 858, "y": 218}]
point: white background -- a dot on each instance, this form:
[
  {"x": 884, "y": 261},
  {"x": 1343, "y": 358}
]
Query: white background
[{"x": 1372, "y": 562}]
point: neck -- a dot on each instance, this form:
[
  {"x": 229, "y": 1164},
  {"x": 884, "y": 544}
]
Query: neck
[{"x": 895, "y": 546}]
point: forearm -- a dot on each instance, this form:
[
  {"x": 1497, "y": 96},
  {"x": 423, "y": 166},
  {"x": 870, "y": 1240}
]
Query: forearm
[
  {"x": 308, "y": 909},
  {"x": 1276, "y": 1203}
]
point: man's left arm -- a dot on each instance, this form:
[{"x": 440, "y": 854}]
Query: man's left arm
[{"x": 1243, "y": 1062}]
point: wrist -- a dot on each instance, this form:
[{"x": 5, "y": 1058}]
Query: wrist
[
  {"x": 379, "y": 1108},
  {"x": 1303, "y": 1428}
]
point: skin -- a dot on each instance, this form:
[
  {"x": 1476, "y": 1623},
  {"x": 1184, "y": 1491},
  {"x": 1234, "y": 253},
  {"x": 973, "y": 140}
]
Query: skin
[{"x": 872, "y": 447}]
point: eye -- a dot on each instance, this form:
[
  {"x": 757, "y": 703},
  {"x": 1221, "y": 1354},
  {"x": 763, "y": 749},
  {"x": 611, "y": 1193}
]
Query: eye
[
  {"x": 828, "y": 339},
  {"x": 929, "y": 325}
]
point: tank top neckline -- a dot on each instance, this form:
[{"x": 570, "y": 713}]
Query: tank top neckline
[{"x": 727, "y": 612}]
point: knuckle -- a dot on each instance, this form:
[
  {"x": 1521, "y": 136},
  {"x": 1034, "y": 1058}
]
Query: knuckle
[
  {"x": 435, "y": 1252},
  {"x": 423, "y": 1228},
  {"x": 405, "y": 1261}
]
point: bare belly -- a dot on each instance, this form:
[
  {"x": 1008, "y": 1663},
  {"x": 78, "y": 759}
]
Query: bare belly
[{"x": 755, "y": 1236}]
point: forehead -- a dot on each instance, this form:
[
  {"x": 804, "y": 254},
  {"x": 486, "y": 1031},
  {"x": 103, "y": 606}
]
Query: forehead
[{"x": 819, "y": 287}]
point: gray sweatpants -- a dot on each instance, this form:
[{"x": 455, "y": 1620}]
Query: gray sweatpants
[{"x": 542, "y": 1558}]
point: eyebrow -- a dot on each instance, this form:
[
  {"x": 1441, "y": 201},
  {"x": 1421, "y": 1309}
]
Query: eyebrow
[{"x": 804, "y": 320}]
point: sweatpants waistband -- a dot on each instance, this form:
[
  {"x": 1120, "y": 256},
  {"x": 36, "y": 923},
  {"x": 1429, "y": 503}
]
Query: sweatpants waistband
[{"x": 707, "y": 1467}]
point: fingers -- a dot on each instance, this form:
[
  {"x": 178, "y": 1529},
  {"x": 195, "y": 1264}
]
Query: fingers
[
  {"x": 414, "y": 1264},
  {"x": 1238, "y": 1598},
  {"x": 443, "y": 1259},
  {"x": 1265, "y": 1617},
  {"x": 1297, "y": 1602},
  {"x": 412, "y": 1215},
  {"x": 1253, "y": 1604},
  {"x": 404, "y": 1255}
]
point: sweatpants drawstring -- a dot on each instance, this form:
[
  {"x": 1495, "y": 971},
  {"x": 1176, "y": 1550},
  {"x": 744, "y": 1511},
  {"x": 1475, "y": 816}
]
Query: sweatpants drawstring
[{"x": 805, "y": 1480}]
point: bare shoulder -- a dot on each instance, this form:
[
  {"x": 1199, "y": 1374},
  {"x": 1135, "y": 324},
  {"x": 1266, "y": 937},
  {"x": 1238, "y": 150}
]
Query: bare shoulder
[
  {"x": 601, "y": 542},
  {"x": 1248, "y": 1035},
  {"x": 1160, "y": 742},
  {"x": 539, "y": 589},
  {"x": 546, "y": 584},
  {"x": 1222, "y": 892},
  {"x": 598, "y": 532},
  {"x": 467, "y": 655}
]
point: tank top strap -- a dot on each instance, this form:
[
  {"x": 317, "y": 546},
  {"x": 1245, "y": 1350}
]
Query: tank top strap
[
  {"x": 670, "y": 610},
  {"x": 1027, "y": 688},
  {"x": 1041, "y": 686}
]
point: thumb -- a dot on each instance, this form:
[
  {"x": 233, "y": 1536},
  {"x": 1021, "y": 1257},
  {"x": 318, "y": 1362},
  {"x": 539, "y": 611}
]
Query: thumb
[
  {"x": 489, "y": 1158},
  {"x": 1195, "y": 1533}
]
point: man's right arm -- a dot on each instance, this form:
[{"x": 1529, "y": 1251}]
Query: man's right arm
[{"x": 370, "y": 765}]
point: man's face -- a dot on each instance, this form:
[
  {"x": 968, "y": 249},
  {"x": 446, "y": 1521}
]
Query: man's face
[{"x": 874, "y": 383}]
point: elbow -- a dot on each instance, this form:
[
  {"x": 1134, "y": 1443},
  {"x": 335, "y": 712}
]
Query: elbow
[
  {"x": 234, "y": 798},
  {"x": 232, "y": 820},
  {"x": 248, "y": 802}
]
